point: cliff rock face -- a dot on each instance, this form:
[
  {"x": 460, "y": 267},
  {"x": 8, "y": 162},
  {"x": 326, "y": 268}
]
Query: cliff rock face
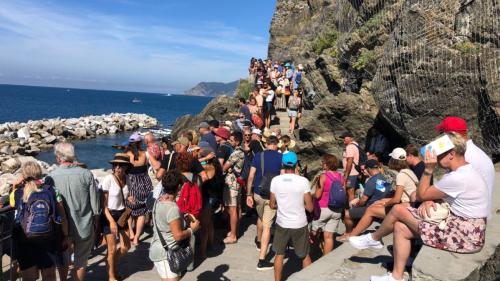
[
  {"x": 218, "y": 109},
  {"x": 401, "y": 66},
  {"x": 213, "y": 89}
]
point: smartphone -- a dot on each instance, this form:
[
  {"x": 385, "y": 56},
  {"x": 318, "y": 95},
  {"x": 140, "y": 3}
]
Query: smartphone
[
  {"x": 191, "y": 218},
  {"x": 439, "y": 146}
]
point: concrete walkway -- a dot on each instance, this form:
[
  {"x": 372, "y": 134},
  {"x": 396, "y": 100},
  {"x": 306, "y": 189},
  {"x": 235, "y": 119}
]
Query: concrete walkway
[{"x": 225, "y": 262}]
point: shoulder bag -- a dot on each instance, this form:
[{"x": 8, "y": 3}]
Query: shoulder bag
[
  {"x": 179, "y": 259},
  {"x": 122, "y": 220}
]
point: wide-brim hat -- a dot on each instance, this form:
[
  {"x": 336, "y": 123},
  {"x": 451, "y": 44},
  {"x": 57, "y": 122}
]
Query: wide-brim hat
[
  {"x": 120, "y": 158},
  {"x": 291, "y": 144}
]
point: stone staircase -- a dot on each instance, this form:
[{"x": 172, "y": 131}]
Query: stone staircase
[{"x": 281, "y": 121}]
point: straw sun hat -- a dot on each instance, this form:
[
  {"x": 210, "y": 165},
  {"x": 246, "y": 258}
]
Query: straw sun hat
[{"x": 120, "y": 158}]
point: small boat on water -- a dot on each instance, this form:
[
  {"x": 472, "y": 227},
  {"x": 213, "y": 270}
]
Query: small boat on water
[{"x": 136, "y": 100}]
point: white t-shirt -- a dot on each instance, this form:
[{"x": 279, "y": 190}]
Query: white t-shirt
[
  {"x": 115, "y": 201},
  {"x": 289, "y": 190},
  {"x": 270, "y": 96},
  {"x": 408, "y": 180},
  {"x": 483, "y": 165},
  {"x": 466, "y": 192}
]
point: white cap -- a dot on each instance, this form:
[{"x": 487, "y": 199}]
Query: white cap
[
  {"x": 398, "y": 153},
  {"x": 257, "y": 132}
]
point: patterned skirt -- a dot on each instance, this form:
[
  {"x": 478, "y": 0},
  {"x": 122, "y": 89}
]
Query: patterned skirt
[
  {"x": 139, "y": 187},
  {"x": 460, "y": 235}
]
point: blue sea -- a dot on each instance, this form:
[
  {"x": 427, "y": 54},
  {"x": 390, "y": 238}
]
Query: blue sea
[{"x": 23, "y": 103}]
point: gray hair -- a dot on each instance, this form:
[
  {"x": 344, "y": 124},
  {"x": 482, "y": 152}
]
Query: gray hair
[
  {"x": 459, "y": 142},
  {"x": 65, "y": 151}
]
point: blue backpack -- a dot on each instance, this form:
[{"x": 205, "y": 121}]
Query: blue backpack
[
  {"x": 37, "y": 215},
  {"x": 337, "y": 195}
]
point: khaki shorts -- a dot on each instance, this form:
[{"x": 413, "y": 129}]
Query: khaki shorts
[
  {"x": 264, "y": 211},
  {"x": 298, "y": 236},
  {"x": 81, "y": 251},
  {"x": 328, "y": 221},
  {"x": 231, "y": 197}
]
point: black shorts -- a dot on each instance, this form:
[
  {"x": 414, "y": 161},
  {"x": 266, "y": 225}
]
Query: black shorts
[
  {"x": 105, "y": 223},
  {"x": 357, "y": 213},
  {"x": 40, "y": 253},
  {"x": 298, "y": 236}
]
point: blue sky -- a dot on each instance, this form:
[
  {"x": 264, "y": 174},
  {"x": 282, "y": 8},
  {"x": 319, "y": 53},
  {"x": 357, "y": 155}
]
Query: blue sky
[{"x": 143, "y": 45}]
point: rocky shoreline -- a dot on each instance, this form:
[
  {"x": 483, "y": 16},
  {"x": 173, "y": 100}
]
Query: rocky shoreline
[{"x": 19, "y": 142}]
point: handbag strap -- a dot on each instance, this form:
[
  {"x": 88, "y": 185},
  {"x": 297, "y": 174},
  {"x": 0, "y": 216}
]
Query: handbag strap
[
  {"x": 121, "y": 188},
  {"x": 170, "y": 161},
  {"x": 162, "y": 241}
]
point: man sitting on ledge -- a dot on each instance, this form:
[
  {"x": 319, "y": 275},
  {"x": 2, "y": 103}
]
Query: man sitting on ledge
[{"x": 464, "y": 229}]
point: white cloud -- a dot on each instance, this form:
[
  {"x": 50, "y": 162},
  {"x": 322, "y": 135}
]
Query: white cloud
[{"x": 77, "y": 47}]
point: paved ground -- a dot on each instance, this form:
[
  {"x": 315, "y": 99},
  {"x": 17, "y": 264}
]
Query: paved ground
[{"x": 231, "y": 262}]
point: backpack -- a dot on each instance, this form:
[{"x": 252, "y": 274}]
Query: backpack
[
  {"x": 37, "y": 215},
  {"x": 265, "y": 181},
  {"x": 230, "y": 149},
  {"x": 337, "y": 195},
  {"x": 362, "y": 158},
  {"x": 298, "y": 78},
  {"x": 190, "y": 200},
  {"x": 257, "y": 121}
]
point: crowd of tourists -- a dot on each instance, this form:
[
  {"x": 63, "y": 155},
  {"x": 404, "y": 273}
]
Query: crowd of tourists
[
  {"x": 276, "y": 87},
  {"x": 242, "y": 166}
]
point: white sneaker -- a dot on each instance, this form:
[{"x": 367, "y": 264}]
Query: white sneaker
[
  {"x": 364, "y": 242},
  {"x": 387, "y": 277}
]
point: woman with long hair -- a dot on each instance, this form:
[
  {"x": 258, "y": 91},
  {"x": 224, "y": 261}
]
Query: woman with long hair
[
  {"x": 37, "y": 255},
  {"x": 169, "y": 223},
  {"x": 140, "y": 185},
  {"x": 116, "y": 194}
]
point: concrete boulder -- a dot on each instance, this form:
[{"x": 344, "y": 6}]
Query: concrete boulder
[
  {"x": 10, "y": 165},
  {"x": 23, "y": 133}
]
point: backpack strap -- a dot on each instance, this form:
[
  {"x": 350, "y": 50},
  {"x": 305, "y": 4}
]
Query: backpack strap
[
  {"x": 262, "y": 164},
  {"x": 415, "y": 182}
]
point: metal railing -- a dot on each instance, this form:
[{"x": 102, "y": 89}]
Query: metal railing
[{"x": 6, "y": 245}]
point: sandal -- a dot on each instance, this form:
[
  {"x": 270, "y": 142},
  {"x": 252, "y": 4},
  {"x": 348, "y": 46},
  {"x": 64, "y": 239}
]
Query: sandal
[{"x": 228, "y": 240}]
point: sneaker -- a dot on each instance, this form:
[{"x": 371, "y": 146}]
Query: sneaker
[
  {"x": 387, "y": 277},
  {"x": 264, "y": 265},
  {"x": 257, "y": 244},
  {"x": 364, "y": 242}
]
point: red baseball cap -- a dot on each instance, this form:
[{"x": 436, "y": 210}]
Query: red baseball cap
[
  {"x": 452, "y": 124},
  {"x": 223, "y": 133}
]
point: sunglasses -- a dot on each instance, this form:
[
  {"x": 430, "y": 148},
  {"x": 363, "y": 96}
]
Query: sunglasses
[{"x": 248, "y": 135}]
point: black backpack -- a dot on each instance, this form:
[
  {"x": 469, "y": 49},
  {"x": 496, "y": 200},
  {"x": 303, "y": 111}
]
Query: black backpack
[{"x": 362, "y": 158}]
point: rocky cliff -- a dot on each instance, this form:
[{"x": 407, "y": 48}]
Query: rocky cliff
[
  {"x": 398, "y": 65},
  {"x": 213, "y": 89}
]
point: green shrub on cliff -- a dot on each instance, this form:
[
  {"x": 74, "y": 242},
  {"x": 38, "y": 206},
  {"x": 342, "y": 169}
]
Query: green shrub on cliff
[
  {"x": 467, "y": 47},
  {"x": 374, "y": 23},
  {"x": 365, "y": 57},
  {"x": 244, "y": 88},
  {"x": 327, "y": 40}
]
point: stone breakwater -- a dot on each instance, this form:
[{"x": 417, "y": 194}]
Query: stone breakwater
[{"x": 18, "y": 140}]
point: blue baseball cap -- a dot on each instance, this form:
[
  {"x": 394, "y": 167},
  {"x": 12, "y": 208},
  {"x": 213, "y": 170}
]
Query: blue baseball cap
[{"x": 289, "y": 159}]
